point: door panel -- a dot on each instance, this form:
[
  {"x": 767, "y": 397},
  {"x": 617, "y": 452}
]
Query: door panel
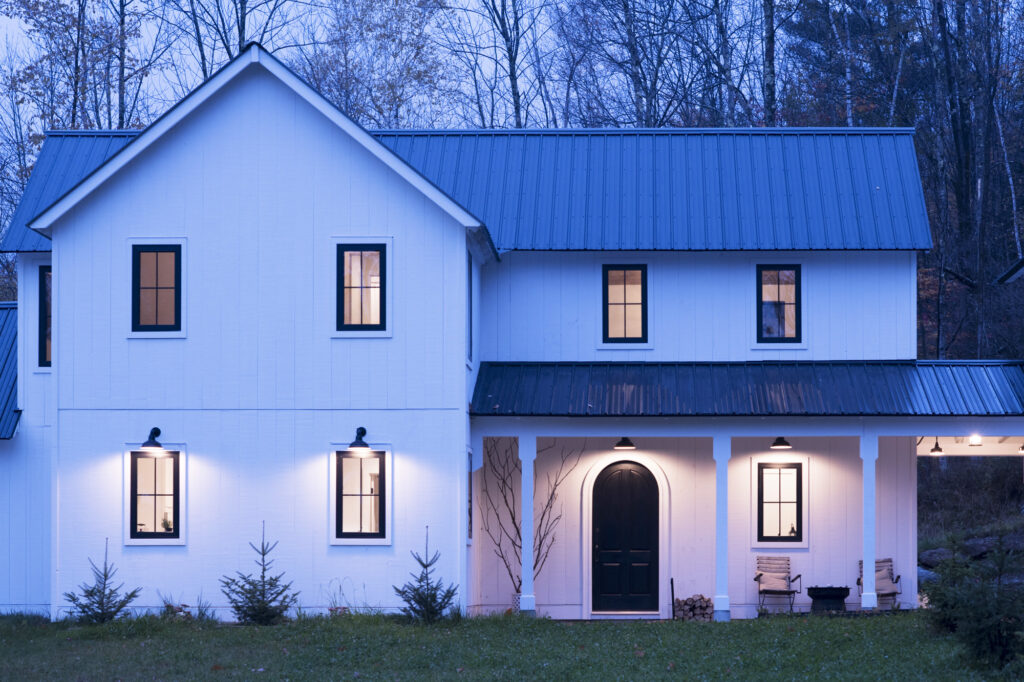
[{"x": 625, "y": 533}]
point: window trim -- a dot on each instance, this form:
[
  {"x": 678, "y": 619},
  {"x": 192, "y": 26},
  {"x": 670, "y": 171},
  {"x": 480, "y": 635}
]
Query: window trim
[
  {"x": 157, "y": 539},
  {"x": 799, "y": 537},
  {"x": 761, "y": 267},
  {"x": 136, "y": 250},
  {"x": 45, "y": 270},
  {"x": 644, "y": 303},
  {"x": 387, "y": 498},
  {"x": 339, "y": 299}
]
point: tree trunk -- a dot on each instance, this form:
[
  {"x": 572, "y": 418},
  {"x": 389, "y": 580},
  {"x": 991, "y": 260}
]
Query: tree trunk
[
  {"x": 769, "y": 62},
  {"x": 122, "y": 39}
]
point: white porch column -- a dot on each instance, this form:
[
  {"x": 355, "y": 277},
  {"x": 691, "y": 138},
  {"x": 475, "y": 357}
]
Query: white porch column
[
  {"x": 868, "y": 456},
  {"x": 721, "y": 449},
  {"x": 527, "y": 454}
]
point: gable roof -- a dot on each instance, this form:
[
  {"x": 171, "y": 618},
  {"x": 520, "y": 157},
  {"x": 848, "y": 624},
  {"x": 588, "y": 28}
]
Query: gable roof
[
  {"x": 685, "y": 189},
  {"x": 9, "y": 412},
  {"x": 681, "y": 189},
  {"x": 66, "y": 158},
  {"x": 750, "y": 389},
  {"x": 253, "y": 54}
]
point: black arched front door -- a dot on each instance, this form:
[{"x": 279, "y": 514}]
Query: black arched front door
[{"x": 625, "y": 537}]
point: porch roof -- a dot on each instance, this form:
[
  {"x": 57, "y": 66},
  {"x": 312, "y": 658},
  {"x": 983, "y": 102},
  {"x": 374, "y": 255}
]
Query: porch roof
[{"x": 756, "y": 389}]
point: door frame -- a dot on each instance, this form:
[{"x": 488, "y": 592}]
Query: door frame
[{"x": 598, "y": 465}]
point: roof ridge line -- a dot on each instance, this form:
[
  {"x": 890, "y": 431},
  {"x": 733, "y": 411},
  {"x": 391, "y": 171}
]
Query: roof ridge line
[{"x": 703, "y": 130}]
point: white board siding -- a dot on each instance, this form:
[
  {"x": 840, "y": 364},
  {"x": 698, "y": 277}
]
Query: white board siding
[
  {"x": 25, "y": 463},
  {"x": 258, "y": 187},
  {"x": 702, "y": 307},
  {"x": 833, "y": 500},
  {"x": 250, "y": 466},
  {"x": 257, "y": 184}
]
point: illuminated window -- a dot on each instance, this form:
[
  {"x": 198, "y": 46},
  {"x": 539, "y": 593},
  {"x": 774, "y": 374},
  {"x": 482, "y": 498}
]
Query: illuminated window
[
  {"x": 156, "y": 288},
  {"x": 360, "y": 490},
  {"x": 779, "y": 503},
  {"x": 45, "y": 313},
  {"x": 625, "y": 303},
  {"x": 778, "y": 303},
  {"x": 361, "y": 287},
  {"x": 154, "y": 496}
]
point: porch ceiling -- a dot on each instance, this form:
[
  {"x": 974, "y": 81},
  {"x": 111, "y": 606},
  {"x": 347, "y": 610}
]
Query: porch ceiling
[{"x": 896, "y": 388}]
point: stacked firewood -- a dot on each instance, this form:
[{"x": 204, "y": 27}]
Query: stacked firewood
[{"x": 698, "y": 607}]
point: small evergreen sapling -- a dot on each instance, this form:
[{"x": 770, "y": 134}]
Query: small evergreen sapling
[
  {"x": 100, "y": 602},
  {"x": 261, "y": 600},
  {"x": 426, "y": 601}
]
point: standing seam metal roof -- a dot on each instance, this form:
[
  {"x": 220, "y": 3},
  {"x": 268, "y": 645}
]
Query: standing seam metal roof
[
  {"x": 665, "y": 189},
  {"x": 756, "y": 389},
  {"x": 692, "y": 189},
  {"x": 66, "y": 158}
]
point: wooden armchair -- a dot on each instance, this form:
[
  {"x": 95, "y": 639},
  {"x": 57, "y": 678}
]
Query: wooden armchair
[
  {"x": 773, "y": 580},
  {"x": 886, "y": 586}
]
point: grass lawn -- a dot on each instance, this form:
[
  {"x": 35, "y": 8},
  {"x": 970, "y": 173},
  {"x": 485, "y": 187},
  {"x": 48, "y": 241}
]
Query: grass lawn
[{"x": 900, "y": 646}]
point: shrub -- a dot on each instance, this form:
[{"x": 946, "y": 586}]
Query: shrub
[
  {"x": 984, "y": 609},
  {"x": 261, "y": 600},
  {"x": 100, "y": 602},
  {"x": 426, "y": 601},
  {"x": 172, "y": 610}
]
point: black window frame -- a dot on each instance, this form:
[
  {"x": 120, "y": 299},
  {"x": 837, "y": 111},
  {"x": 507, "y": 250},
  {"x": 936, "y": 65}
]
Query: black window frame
[
  {"x": 45, "y": 315},
  {"x": 760, "y": 304},
  {"x": 798, "y": 466},
  {"x": 339, "y": 494},
  {"x": 469, "y": 491},
  {"x": 605, "y": 269},
  {"x": 469, "y": 305},
  {"x": 137, "y": 250},
  {"x": 133, "y": 513},
  {"x": 340, "y": 289}
]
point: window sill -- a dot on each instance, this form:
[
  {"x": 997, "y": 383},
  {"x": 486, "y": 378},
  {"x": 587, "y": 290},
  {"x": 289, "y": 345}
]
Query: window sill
[
  {"x": 382, "y": 334},
  {"x": 782, "y": 546},
  {"x": 355, "y": 542},
  {"x": 154, "y": 542},
  {"x": 797, "y": 345},
  {"x": 625, "y": 346},
  {"x": 157, "y": 335},
  {"x": 43, "y": 370}
]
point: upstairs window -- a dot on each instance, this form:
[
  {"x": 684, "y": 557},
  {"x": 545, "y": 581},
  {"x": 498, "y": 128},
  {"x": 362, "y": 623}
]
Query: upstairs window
[
  {"x": 625, "y": 303},
  {"x": 361, "y": 287},
  {"x": 156, "y": 287},
  {"x": 45, "y": 313},
  {"x": 778, "y": 303},
  {"x": 155, "y": 496},
  {"x": 780, "y": 502},
  {"x": 360, "y": 489}
]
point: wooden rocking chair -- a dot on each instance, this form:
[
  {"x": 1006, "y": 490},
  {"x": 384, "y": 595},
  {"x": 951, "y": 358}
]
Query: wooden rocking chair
[
  {"x": 886, "y": 586},
  {"x": 773, "y": 580}
]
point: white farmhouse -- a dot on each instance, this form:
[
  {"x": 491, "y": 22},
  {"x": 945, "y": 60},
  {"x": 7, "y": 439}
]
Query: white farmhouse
[{"x": 256, "y": 311}]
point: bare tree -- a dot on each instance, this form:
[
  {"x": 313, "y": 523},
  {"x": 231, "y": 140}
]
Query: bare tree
[
  {"x": 377, "y": 61},
  {"x": 502, "y": 520}
]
